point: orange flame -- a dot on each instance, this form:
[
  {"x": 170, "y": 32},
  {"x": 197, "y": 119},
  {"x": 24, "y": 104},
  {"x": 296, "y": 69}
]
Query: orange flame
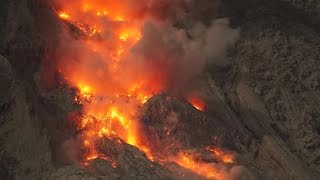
[
  {"x": 204, "y": 169},
  {"x": 64, "y": 15},
  {"x": 110, "y": 102},
  {"x": 109, "y": 109},
  {"x": 222, "y": 156}
]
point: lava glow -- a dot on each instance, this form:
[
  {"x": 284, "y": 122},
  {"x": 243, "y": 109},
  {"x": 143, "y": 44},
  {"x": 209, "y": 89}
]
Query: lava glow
[
  {"x": 197, "y": 102},
  {"x": 64, "y": 15},
  {"x": 222, "y": 156},
  {"x": 108, "y": 86},
  {"x": 109, "y": 103},
  {"x": 204, "y": 169}
]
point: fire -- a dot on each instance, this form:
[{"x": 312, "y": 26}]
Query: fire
[
  {"x": 197, "y": 102},
  {"x": 109, "y": 89},
  {"x": 126, "y": 34},
  {"x": 109, "y": 108},
  {"x": 64, "y": 15},
  {"x": 86, "y": 92},
  {"x": 204, "y": 169},
  {"x": 222, "y": 156}
]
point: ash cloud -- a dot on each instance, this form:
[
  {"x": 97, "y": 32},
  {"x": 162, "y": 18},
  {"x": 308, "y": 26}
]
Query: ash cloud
[{"x": 183, "y": 53}]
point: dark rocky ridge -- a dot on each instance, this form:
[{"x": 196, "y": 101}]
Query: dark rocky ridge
[
  {"x": 270, "y": 90},
  {"x": 130, "y": 161},
  {"x": 276, "y": 63},
  {"x": 172, "y": 124}
]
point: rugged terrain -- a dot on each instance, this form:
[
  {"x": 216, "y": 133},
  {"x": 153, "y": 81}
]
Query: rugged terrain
[{"x": 264, "y": 98}]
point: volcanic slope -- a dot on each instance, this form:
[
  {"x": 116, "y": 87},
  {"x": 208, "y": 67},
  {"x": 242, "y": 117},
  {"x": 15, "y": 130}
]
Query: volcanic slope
[{"x": 268, "y": 90}]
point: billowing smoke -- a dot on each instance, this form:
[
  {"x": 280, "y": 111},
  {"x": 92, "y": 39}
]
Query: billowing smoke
[
  {"x": 166, "y": 57},
  {"x": 183, "y": 53}
]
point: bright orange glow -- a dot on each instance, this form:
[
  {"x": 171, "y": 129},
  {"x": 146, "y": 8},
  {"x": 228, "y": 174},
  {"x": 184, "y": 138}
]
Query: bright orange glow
[
  {"x": 201, "y": 168},
  {"x": 222, "y": 156},
  {"x": 64, "y": 15},
  {"x": 86, "y": 92},
  {"x": 148, "y": 153},
  {"x": 197, "y": 102},
  {"x": 110, "y": 103},
  {"x": 100, "y": 66}
]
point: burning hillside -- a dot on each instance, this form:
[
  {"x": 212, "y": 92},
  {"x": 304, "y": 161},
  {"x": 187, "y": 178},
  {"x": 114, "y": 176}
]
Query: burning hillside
[
  {"x": 159, "y": 89},
  {"x": 120, "y": 54}
]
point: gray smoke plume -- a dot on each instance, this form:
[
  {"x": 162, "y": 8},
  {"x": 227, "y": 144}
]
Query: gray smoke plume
[{"x": 183, "y": 53}]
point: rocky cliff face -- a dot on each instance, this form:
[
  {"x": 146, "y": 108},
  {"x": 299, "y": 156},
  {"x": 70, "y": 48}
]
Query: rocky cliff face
[
  {"x": 276, "y": 64},
  {"x": 268, "y": 94}
]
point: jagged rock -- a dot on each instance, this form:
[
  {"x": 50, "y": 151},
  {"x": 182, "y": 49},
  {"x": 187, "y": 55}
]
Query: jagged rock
[
  {"x": 20, "y": 40},
  {"x": 105, "y": 168},
  {"x": 280, "y": 162},
  {"x": 74, "y": 173},
  {"x": 170, "y": 124},
  {"x": 278, "y": 58},
  {"x": 24, "y": 145},
  {"x": 252, "y": 110},
  {"x": 128, "y": 161}
]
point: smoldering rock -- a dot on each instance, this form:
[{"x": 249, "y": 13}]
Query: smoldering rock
[
  {"x": 103, "y": 167},
  {"x": 127, "y": 161},
  {"x": 187, "y": 174},
  {"x": 169, "y": 124}
]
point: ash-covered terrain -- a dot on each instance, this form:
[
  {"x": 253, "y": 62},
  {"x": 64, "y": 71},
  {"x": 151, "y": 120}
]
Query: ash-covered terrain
[{"x": 262, "y": 100}]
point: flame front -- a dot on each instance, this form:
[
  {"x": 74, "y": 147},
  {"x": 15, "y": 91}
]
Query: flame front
[
  {"x": 201, "y": 168},
  {"x": 222, "y": 156},
  {"x": 109, "y": 95},
  {"x": 100, "y": 65}
]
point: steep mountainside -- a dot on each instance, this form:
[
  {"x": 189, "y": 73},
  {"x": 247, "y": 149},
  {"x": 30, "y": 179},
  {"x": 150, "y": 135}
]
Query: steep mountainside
[{"x": 265, "y": 96}]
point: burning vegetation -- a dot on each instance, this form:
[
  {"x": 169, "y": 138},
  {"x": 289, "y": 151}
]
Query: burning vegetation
[{"x": 119, "y": 54}]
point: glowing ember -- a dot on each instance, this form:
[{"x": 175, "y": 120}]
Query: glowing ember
[
  {"x": 197, "y": 102},
  {"x": 64, "y": 15},
  {"x": 204, "y": 169},
  {"x": 225, "y": 158}
]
